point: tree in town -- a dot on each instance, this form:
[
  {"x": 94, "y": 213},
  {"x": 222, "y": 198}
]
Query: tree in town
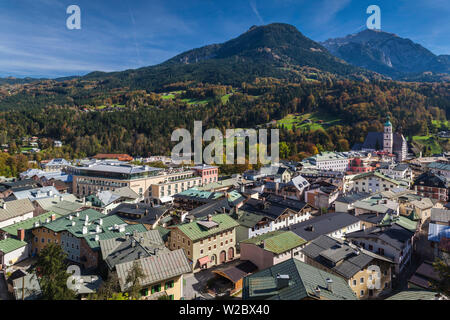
[
  {"x": 52, "y": 273},
  {"x": 443, "y": 284},
  {"x": 134, "y": 279}
]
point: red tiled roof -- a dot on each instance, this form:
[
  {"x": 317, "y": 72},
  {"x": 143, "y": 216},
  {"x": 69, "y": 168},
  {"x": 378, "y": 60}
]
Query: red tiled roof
[{"x": 120, "y": 157}]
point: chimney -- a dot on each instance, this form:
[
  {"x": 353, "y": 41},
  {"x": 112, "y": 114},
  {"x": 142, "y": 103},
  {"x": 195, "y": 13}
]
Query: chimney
[
  {"x": 70, "y": 217},
  {"x": 47, "y": 220},
  {"x": 85, "y": 230},
  {"x": 100, "y": 221},
  {"x": 73, "y": 223},
  {"x": 97, "y": 237},
  {"x": 133, "y": 243},
  {"x": 21, "y": 234},
  {"x": 53, "y": 217},
  {"x": 282, "y": 281},
  {"x": 86, "y": 221},
  {"x": 329, "y": 285},
  {"x": 97, "y": 229},
  {"x": 317, "y": 291},
  {"x": 209, "y": 217},
  {"x": 61, "y": 198}
]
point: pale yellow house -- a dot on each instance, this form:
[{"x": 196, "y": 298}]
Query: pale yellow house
[{"x": 207, "y": 242}]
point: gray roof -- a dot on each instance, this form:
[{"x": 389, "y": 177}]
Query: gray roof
[
  {"x": 65, "y": 207},
  {"x": 15, "y": 208},
  {"x": 129, "y": 248},
  {"x": 119, "y": 168},
  {"x": 38, "y": 193},
  {"x": 341, "y": 257},
  {"x": 352, "y": 197},
  {"x": 394, "y": 235},
  {"x": 322, "y": 225},
  {"x": 440, "y": 215},
  {"x": 156, "y": 268},
  {"x": 303, "y": 281},
  {"x": 401, "y": 167},
  {"x": 46, "y": 203},
  {"x": 140, "y": 211}
]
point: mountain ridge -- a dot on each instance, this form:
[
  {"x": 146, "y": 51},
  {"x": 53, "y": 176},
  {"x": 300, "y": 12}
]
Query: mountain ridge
[{"x": 388, "y": 54}]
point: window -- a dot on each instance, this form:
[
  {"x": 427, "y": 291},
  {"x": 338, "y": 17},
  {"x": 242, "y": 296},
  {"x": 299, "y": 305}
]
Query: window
[
  {"x": 362, "y": 292},
  {"x": 144, "y": 292},
  {"x": 156, "y": 288},
  {"x": 354, "y": 282},
  {"x": 169, "y": 284},
  {"x": 201, "y": 251},
  {"x": 361, "y": 280}
]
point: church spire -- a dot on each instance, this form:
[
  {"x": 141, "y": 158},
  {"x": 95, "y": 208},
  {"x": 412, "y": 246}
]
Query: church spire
[{"x": 388, "y": 122}]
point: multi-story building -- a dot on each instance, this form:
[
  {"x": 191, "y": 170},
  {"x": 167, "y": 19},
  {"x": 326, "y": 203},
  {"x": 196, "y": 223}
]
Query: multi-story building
[
  {"x": 432, "y": 185},
  {"x": 392, "y": 241},
  {"x": 368, "y": 274},
  {"x": 334, "y": 224},
  {"x": 162, "y": 275},
  {"x": 396, "y": 171},
  {"x": 372, "y": 182},
  {"x": 207, "y": 173},
  {"x": 101, "y": 176},
  {"x": 55, "y": 164},
  {"x": 440, "y": 168},
  {"x": 12, "y": 212},
  {"x": 79, "y": 234},
  {"x": 272, "y": 213},
  {"x": 163, "y": 191},
  {"x": 207, "y": 242},
  {"x": 359, "y": 165},
  {"x": 333, "y": 161}
]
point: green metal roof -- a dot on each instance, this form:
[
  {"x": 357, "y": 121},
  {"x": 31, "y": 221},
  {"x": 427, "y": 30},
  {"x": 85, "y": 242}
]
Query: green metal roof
[
  {"x": 194, "y": 192},
  {"x": 303, "y": 280},
  {"x": 277, "y": 241},
  {"x": 195, "y": 231},
  {"x": 107, "y": 232},
  {"x": 163, "y": 232},
  {"x": 10, "y": 244},
  {"x": 29, "y": 223},
  {"x": 407, "y": 223}
]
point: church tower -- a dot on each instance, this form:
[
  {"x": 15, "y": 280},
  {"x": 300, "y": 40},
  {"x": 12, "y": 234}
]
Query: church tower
[{"x": 388, "y": 137}]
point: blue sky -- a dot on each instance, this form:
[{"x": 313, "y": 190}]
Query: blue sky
[{"x": 120, "y": 34}]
